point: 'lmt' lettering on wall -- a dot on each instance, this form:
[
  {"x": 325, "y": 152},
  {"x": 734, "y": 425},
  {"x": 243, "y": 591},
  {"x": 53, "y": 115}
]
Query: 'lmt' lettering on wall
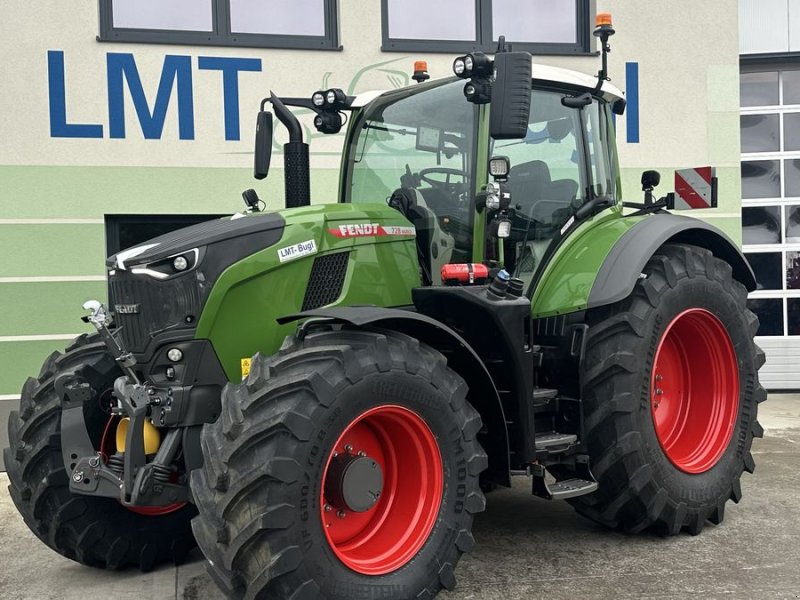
[
  {"x": 176, "y": 81},
  {"x": 176, "y": 69}
]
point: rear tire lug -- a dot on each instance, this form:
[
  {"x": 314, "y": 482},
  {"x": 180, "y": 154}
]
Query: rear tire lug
[{"x": 341, "y": 514}]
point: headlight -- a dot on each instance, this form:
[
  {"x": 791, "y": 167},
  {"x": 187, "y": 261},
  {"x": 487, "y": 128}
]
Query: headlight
[
  {"x": 318, "y": 99},
  {"x": 180, "y": 263},
  {"x": 174, "y": 354},
  {"x": 493, "y": 201},
  {"x": 459, "y": 66},
  {"x": 174, "y": 265}
]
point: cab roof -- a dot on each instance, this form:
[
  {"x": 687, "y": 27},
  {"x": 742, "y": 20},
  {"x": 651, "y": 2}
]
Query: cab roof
[{"x": 540, "y": 73}]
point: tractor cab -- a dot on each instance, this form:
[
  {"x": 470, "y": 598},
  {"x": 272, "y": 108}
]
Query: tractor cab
[{"x": 425, "y": 151}]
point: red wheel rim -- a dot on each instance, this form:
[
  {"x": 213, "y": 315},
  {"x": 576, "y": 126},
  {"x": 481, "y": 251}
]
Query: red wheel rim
[
  {"x": 390, "y": 533},
  {"x": 147, "y": 511},
  {"x": 694, "y": 390}
]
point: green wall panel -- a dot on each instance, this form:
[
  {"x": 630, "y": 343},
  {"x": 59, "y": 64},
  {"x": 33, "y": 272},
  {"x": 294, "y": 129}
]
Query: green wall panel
[
  {"x": 20, "y": 360},
  {"x": 46, "y": 308},
  {"x": 27, "y": 250},
  {"x": 91, "y": 192}
]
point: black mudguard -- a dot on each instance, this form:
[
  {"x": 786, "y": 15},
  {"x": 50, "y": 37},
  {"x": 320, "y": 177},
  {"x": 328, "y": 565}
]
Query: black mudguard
[
  {"x": 623, "y": 265},
  {"x": 467, "y": 363}
]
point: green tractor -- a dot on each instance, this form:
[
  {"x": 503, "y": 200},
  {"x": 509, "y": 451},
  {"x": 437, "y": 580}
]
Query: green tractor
[{"x": 320, "y": 397}]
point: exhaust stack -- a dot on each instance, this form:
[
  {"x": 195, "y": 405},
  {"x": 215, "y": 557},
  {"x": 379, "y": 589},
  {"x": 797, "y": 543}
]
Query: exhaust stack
[{"x": 295, "y": 158}]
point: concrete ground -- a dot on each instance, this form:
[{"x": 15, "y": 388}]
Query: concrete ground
[{"x": 526, "y": 547}]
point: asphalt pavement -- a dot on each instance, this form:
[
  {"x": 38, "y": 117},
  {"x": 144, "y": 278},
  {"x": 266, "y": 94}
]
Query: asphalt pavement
[{"x": 526, "y": 548}]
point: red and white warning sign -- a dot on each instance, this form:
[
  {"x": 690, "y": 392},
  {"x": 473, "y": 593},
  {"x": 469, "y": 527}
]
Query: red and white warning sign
[{"x": 696, "y": 188}]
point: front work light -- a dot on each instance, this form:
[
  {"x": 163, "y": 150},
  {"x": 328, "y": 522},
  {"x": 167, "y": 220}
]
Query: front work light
[
  {"x": 335, "y": 98},
  {"x": 499, "y": 167},
  {"x": 318, "y": 99}
]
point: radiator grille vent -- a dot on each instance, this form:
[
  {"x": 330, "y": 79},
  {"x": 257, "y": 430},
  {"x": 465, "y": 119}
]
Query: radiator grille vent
[{"x": 326, "y": 281}]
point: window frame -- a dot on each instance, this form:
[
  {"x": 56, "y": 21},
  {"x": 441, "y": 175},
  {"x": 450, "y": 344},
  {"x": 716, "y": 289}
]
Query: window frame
[
  {"x": 783, "y": 201},
  {"x": 483, "y": 42},
  {"x": 220, "y": 34}
]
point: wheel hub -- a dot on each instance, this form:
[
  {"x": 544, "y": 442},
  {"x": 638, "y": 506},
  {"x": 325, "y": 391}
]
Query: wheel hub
[
  {"x": 381, "y": 490},
  {"x": 353, "y": 482}
]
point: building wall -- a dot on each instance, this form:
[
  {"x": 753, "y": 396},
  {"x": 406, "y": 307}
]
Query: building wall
[{"x": 55, "y": 191}]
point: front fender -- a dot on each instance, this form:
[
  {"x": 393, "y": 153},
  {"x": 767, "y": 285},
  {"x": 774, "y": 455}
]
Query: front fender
[{"x": 464, "y": 361}]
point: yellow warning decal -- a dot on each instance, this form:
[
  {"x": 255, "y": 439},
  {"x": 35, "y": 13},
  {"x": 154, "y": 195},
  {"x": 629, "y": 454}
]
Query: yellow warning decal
[{"x": 245, "y": 367}]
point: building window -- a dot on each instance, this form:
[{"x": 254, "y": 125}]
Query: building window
[
  {"x": 307, "y": 24},
  {"x": 538, "y": 26},
  {"x": 770, "y": 135},
  {"x": 127, "y": 231}
]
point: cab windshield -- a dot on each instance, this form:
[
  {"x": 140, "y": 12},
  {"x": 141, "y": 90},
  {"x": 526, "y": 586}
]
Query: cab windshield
[
  {"x": 420, "y": 140},
  {"x": 419, "y": 143}
]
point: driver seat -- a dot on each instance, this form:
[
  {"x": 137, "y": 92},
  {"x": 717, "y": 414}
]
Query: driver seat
[{"x": 434, "y": 245}]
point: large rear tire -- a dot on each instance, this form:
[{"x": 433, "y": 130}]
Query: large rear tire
[
  {"x": 671, "y": 392},
  {"x": 345, "y": 466},
  {"x": 94, "y": 531}
]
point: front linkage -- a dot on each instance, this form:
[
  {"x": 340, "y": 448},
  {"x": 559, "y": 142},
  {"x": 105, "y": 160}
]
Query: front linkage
[{"x": 125, "y": 475}]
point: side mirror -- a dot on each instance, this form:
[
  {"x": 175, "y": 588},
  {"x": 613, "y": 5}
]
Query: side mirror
[
  {"x": 650, "y": 179},
  {"x": 511, "y": 96},
  {"x": 263, "y": 150}
]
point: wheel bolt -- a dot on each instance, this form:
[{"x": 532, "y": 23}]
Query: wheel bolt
[
  {"x": 658, "y": 377},
  {"x": 328, "y": 508},
  {"x": 362, "y": 453},
  {"x": 348, "y": 448},
  {"x": 659, "y": 391},
  {"x": 341, "y": 514}
]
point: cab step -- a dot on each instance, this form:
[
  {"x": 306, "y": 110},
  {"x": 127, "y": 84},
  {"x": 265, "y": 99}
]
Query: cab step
[
  {"x": 555, "y": 442},
  {"x": 543, "y": 395},
  {"x": 567, "y": 488}
]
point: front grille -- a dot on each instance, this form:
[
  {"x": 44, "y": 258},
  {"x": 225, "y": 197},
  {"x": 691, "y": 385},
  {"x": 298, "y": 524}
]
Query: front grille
[
  {"x": 168, "y": 304},
  {"x": 326, "y": 281}
]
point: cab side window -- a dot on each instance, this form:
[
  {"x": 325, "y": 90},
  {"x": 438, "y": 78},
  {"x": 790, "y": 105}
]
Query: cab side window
[{"x": 545, "y": 179}]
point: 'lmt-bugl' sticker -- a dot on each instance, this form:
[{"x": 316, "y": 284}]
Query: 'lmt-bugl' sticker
[{"x": 297, "y": 250}]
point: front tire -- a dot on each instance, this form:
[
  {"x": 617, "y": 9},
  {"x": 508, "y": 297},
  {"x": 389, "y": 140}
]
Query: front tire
[
  {"x": 94, "y": 531},
  {"x": 671, "y": 392},
  {"x": 345, "y": 466}
]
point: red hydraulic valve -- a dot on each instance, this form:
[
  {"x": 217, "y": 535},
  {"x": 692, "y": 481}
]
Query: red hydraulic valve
[{"x": 464, "y": 273}]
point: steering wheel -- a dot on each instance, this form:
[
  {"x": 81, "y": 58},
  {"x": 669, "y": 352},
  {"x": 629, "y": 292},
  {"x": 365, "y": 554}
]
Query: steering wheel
[{"x": 446, "y": 171}]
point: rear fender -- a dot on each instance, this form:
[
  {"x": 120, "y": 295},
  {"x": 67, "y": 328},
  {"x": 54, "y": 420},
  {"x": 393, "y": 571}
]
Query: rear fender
[
  {"x": 624, "y": 264},
  {"x": 599, "y": 263}
]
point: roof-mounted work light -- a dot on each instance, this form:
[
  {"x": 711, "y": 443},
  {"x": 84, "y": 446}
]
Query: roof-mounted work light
[{"x": 473, "y": 65}]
